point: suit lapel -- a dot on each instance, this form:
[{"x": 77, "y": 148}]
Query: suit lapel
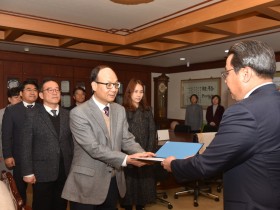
[
  {"x": 94, "y": 112},
  {"x": 62, "y": 121},
  {"x": 46, "y": 118}
]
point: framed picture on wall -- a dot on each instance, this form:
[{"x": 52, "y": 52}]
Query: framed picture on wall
[
  {"x": 12, "y": 82},
  {"x": 203, "y": 88},
  {"x": 65, "y": 86},
  {"x": 66, "y": 101}
]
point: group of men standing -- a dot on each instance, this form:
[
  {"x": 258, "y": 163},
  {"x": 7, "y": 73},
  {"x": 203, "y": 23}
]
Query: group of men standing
[
  {"x": 37, "y": 144},
  {"x": 39, "y": 147}
]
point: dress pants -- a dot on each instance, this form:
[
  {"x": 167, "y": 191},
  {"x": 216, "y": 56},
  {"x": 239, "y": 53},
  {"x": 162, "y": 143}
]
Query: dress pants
[
  {"x": 109, "y": 204},
  {"x": 21, "y": 185},
  {"x": 47, "y": 195}
]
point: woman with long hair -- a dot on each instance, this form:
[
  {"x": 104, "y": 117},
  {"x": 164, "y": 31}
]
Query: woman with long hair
[{"x": 141, "y": 186}]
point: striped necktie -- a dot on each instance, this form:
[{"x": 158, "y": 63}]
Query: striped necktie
[{"x": 106, "y": 110}]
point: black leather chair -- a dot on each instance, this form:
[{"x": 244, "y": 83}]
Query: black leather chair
[
  {"x": 182, "y": 128},
  {"x": 198, "y": 187}
]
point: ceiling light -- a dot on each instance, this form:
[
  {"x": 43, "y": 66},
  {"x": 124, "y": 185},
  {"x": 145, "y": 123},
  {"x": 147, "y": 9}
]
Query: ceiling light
[
  {"x": 131, "y": 2},
  {"x": 226, "y": 51},
  {"x": 182, "y": 59}
]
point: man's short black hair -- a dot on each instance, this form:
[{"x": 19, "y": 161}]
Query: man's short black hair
[
  {"x": 79, "y": 88},
  {"x": 28, "y": 82}
]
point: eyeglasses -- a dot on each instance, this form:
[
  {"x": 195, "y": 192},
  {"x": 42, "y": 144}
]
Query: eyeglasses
[
  {"x": 30, "y": 90},
  {"x": 110, "y": 85},
  {"x": 50, "y": 90},
  {"x": 226, "y": 73}
]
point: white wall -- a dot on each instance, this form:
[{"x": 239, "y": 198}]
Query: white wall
[{"x": 174, "y": 85}]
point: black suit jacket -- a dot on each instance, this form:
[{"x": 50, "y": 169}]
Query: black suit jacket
[
  {"x": 41, "y": 146},
  {"x": 247, "y": 149},
  {"x": 12, "y": 126}
]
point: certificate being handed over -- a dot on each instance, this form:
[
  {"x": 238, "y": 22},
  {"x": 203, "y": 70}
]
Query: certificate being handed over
[{"x": 180, "y": 150}]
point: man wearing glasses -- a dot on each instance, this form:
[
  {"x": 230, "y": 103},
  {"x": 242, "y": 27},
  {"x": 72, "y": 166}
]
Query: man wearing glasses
[
  {"x": 12, "y": 126},
  {"x": 246, "y": 147},
  {"x": 101, "y": 144},
  {"x": 47, "y": 149}
]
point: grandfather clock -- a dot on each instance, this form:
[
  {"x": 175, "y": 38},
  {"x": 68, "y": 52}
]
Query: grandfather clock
[{"x": 160, "y": 101}]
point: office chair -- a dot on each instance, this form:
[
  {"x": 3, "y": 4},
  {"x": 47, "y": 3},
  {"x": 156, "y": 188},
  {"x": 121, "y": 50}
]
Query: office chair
[
  {"x": 9, "y": 181},
  {"x": 161, "y": 174},
  {"x": 182, "y": 128},
  {"x": 161, "y": 196},
  {"x": 197, "y": 189}
]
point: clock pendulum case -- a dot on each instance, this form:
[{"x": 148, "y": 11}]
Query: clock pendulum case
[{"x": 160, "y": 100}]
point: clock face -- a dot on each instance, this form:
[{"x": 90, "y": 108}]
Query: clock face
[{"x": 162, "y": 87}]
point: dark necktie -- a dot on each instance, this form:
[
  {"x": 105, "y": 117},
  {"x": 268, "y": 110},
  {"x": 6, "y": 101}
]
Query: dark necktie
[
  {"x": 54, "y": 113},
  {"x": 106, "y": 110},
  {"x": 29, "y": 106}
]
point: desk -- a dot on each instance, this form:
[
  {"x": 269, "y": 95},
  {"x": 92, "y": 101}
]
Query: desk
[
  {"x": 169, "y": 181},
  {"x": 178, "y": 136}
]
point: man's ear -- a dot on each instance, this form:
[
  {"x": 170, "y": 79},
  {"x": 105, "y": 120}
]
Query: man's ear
[
  {"x": 41, "y": 95},
  {"x": 246, "y": 74},
  {"x": 93, "y": 86}
]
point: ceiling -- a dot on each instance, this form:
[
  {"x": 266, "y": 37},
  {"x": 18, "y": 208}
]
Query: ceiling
[{"x": 157, "y": 33}]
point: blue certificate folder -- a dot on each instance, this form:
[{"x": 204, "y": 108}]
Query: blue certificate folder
[{"x": 180, "y": 150}]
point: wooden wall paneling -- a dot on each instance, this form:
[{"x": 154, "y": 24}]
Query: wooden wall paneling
[
  {"x": 32, "y": 71},
  {"x": 57, "y": 73},
  {"x": 48, "y": 71},
  {"x": 12, "y": 68},
  {"x": 64, "y": 71},
  {"x": 81, "y": 72},
  {"x": 76, "y": 69}
]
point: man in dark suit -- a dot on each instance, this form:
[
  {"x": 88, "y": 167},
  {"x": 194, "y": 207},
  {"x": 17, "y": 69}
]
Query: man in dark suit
[
  {"x": 12, "y": 126},
  {"x": 47, "y": 150},
  {"x": 13, "y": 98},
  {"x": 101, "y": 137},
  {"x": 247, "y": 146}
]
